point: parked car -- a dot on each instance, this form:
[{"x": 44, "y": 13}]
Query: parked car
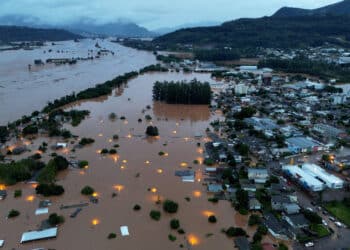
[
  {"x": 338, "y": 224},
  {"x": 309, "y": 244},
  {"x": 324, "y": 223},
  {"x": 331, "y": 218}
]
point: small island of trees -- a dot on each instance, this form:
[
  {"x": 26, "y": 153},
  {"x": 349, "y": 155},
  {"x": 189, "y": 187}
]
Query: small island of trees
[{"x": 193, "y": 92}]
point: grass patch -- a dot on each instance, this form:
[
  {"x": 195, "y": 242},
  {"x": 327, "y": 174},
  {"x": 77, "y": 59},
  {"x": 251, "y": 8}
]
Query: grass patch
[
  {"x": 339, "y": 210},
  {"x": 320, "y": 229}
]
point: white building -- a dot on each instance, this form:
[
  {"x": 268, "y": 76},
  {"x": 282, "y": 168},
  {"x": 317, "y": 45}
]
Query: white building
[
  {"x": 331, "y": 181},
  {"x": 241, "y": 89},
  {"x": 304, "y": 178}
]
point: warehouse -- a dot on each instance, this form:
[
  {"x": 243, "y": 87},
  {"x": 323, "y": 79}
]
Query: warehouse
[
  {"x": 331, "y": 181},
  {"x": 303, "y": 145},
  {"x": 305, "y": 179}
]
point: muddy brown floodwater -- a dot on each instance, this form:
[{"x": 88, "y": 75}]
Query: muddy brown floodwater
[
  {"x": 137, "y": 174},
  {"x": 22, "y": 91}
]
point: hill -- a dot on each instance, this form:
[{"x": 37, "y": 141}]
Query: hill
[
  {"x": 83, "y": 26},
  {"x": 20, "y": 34},
  {"x": 340, "y": 8},
  {"x": 270, "y": 32}
]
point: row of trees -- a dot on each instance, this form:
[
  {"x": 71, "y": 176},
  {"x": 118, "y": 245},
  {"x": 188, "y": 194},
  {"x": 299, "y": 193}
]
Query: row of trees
[
  {"x": 193, "y": 92},
  {"x": 303, "y": 65},
  {"x": 217, "y": 55}
]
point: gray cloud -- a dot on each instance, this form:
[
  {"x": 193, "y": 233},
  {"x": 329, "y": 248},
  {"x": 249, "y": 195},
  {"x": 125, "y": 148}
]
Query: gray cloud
[{"x": 149, "y": 13}]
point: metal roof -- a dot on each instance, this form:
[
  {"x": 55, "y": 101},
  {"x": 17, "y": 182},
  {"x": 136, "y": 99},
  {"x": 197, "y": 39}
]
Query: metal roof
[
  {"x": 304, "y": 177},
  {"x": 39, "y": 235},
  {"x": 319, "y": 172}
]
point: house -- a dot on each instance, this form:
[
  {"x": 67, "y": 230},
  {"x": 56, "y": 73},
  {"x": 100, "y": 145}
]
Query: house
[
  {"x": 297, "y": 220},
  {"x": 61, "y": 145},
  {"x": 279, "y": 201},
  {"x": 215, "y": 188},
  {"x": 303, "y": 144},
  {"x": 254, "y": 204},
  {"x": 291, "y": 208},
  {"x": 329, "y": 131},
  {"x": 274, "y": 226},
  {"x": 242, "y": 243},
  {"x": 259, "y": 175}
]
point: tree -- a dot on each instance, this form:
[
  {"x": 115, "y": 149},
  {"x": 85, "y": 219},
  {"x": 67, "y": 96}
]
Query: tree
[
  {"x": 212, "y": 219},
  {"x": 60, "y": 163},
  {"x": 170, "y": 206},
  {"x": 152, "y": 131},
  {"x": 55, "y": 219},
  {"x": 235, "y": 231},
  {"x": 174, "y": 224},
  {"x": 30, "y": 129},
  {"x": 254, "y": 219},
  {"x": 242, "y": 198},
  {"x": 155, "y": 215},
  {"x": 13, "y": 213},
  {"x": 49, "y": 189},
  {"x": 87, "y": 190}
]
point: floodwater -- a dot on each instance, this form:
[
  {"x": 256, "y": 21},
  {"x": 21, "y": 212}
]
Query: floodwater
[
  {"x": 137, "y": 174},
  {"x": 22, "y": 90}
]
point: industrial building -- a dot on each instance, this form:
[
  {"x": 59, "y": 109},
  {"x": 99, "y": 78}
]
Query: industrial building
[
  {"x": 331, "y": 181},
  {"x": 305, "y": 179},
  {"x": 303, "y": 144},
  {"x": 328, "y": 131}
]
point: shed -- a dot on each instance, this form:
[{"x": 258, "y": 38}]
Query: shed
[{"x": 39, "y": 235}]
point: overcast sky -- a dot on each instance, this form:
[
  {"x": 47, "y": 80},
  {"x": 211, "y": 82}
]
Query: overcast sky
[{"x": 150, "y": 13}]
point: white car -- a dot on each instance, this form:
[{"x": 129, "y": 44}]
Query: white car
[
  {"x": 324, "y": 223},
  {"x": 338, "y": 224},
  {"x": 309, "y": 244}
]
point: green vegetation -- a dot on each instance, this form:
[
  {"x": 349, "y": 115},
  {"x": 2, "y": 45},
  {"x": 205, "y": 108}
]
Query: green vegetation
[
  {"x": 170, "y": 206},
  {"x": 137, "y": 207},
  {"x": 11, "y": 173},
  {"x": 254, "y": 219},
  {"x": 155, "y": 215},
  {"x": 212, "y": 219},
  {"x": 17, "y": 193},
  {"x": 112, "y": 151},
  {"x": 267, "y": 32},
  {"x": 312, "y": 217},
  {"x": 216, "y": 55},
  {"x": 174, "y": 224},
  {"x": 4, "y": 133},
  {"x": 153, "y": 68},
  {"x": 171, "y": 237},
  {"x": 282, "y": 246},
  {"x": 320, "y": 229},
  {"x": 30, "y": 130},
  {"x": 55, "y": 219},
  {"x": 83, "y": 164},
  {"x": 49, "y": 189},
  {"x": 111, "y": 236},
  {"x": 104, "y": 151},
  {"x": 235, "y": 231},
  {"x": 86, "y": 141},
  {"x": 181, "y": 231},
  {"x": 13, "y": 213},
  {"x": 152, "y": 131},
  {"x": 341, "y": 210},
  {"x": 161, "y": 153},
  {"x": 213, "y": 200},
  {"x": 48, "y": 173},
  {"x": 302, "y": 65},
  {"x": 242, "y": 200},
  {"x": 87, "y": 190},
  {"x": 193, "y": 92}
]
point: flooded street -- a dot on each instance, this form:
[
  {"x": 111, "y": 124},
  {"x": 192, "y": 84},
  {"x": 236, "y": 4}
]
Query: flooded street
[
  {"x": 22, "y": 90},
  {"x": 137, "y": 175}
]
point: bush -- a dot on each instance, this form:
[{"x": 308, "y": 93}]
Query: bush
[
  {"x": 262, "y": 229},
  {"x": 152, "y": 131},
  {"x": 18, "y": 193},
  {"x": 235, "y": 231},
  {"x": 55, "y": 219},
  {"x": 87, "y": 190},
  {"x": 85, "y": 141},
  {"x": 49, "y": 189},
  {"x": 282, "y": 246},
  {"x": 257, "y": 237},
  {"x": 137, "y": 207},
  {"x": 115, "y": 137},
  {"x": 170, "y": 206},
  {"x": 155, "y": 215},
  {"x": 83, "y": 164},
  {"x": 112, "y": 151},
  {"x": 104, "y": 151},
  {"x": 112, "y": 116},
  {"x": 213, "y": 200},
  {"x": 171, "y": 237},
  {"x": 111, "y": 236},
  {"x": 174, "y": 224},
  {"x": 209, "y": 162},
  {"x": 161, "y": 153},
  {"x": 254, "y": 219},
  {"x": 181, "y": 231},
  {"x": 148, "y": 117},
  {"x": 13, "y": 213},
  {"x": 212, "y": 219}
]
